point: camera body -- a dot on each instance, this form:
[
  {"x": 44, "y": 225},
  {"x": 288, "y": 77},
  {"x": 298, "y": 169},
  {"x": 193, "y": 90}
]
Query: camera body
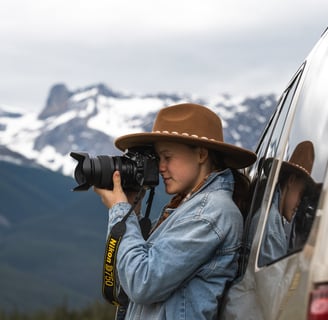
[{"x": 138, "y": 168}]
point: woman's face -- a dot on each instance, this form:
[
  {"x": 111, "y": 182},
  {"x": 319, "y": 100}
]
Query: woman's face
[
  {"x": 291, "y": 196},
  {"x": 181, "y": 166}
]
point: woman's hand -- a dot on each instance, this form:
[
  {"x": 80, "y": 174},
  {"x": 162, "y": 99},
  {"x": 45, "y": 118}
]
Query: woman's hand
[{"x": 112, "y": 197}]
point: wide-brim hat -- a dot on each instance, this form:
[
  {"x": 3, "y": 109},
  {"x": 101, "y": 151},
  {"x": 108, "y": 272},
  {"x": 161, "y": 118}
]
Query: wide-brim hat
[
  {"x": 300, "y": 162},
  {"x": 191, "y": 124}
]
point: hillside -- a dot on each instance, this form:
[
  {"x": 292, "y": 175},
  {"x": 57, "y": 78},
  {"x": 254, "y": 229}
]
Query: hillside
[{"x": 51, "y": 240}]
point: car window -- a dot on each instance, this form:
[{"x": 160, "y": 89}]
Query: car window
[
  {"x": 267, "y": 148},
  {"x": 292, "y": 171}
]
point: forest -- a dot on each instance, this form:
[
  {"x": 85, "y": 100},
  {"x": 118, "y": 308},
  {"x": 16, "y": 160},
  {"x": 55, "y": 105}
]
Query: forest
[{"x": 96, "y": 311}]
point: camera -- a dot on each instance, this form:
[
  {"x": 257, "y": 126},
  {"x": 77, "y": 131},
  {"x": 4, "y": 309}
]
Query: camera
[{"x": 138, "y": 168}]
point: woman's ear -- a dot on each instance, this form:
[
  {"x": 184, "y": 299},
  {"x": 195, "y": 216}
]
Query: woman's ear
[{"x": 203, "y": 155}]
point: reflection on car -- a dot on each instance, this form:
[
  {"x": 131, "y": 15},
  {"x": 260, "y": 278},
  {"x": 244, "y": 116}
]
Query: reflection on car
[{"x": 294, "y": 179}]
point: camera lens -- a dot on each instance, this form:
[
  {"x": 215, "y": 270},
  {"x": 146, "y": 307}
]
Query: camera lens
[
  {"x": 136, "y": 170},
  {"x": 104, "y": 167}
]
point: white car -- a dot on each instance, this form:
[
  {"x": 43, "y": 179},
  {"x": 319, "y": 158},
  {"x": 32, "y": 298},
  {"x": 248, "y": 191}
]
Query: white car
[{"x": 284, "y": 259}]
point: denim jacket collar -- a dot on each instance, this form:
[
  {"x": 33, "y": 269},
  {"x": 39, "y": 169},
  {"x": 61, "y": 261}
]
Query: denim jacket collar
[{"x": 224, "y": 180}]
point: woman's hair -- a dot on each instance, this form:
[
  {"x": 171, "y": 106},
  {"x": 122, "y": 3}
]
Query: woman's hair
[
  {"x": 242, "y": 183},
  {"x": 241, "y": 192}
]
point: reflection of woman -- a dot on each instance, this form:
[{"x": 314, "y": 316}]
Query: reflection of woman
[
  {"x": 293, "y": 179},
  {"x": 181, "y": 271}
]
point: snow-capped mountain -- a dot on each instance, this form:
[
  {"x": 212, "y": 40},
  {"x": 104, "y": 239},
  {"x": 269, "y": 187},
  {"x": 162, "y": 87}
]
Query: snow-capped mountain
[{"x": 89, "y": 120}]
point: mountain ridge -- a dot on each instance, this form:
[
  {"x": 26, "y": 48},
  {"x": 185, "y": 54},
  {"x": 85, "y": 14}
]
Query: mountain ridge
[{"x": 89, "y": 119}]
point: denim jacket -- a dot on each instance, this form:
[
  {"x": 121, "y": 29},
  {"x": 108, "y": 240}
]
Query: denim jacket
[
  {"x": 275, "y": 239},
  {"x": 181, "y": 271},
  {"x": 275, "y": 243}
]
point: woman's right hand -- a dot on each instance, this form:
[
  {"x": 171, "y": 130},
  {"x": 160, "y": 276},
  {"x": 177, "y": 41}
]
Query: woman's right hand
[{"x": 112, "y": 197}]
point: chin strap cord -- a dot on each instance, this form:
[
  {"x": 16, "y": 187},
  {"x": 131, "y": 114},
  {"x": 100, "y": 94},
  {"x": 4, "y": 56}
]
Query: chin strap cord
[{"x": 111, "y": 289}]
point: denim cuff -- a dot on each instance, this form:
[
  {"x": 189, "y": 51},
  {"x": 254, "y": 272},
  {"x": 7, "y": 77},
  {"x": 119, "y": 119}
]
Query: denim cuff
[{"x": 118, "y": 211}]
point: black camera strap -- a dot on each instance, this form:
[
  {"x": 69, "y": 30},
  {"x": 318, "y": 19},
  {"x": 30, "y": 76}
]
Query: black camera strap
[
  {"x": 145, "y": 223},
  {"x": 111, "y": 289}
]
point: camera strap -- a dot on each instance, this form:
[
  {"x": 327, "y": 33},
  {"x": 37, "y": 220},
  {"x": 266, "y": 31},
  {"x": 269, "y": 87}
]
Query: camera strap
[
  {"x": 145, "y": 223},
  {"x": 111, "y": 289}
]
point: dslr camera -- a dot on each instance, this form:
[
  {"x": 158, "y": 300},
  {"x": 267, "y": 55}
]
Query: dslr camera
[{"x": 138, "y": 168}]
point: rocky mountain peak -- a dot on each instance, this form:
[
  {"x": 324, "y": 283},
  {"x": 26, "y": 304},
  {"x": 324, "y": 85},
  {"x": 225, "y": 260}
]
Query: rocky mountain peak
[{"x": 56, "y": 102}]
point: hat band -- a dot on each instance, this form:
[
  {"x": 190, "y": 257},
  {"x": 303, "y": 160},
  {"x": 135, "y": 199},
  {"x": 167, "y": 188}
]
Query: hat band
[
  {"x": 185, "y": 134},
  {"x": 300, "y": 167}
]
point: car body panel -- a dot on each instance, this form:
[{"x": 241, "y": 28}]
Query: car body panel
[{"x": 281, "y": 288}]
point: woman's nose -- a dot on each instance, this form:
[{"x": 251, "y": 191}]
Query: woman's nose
[{"x": 161, "y": 166}]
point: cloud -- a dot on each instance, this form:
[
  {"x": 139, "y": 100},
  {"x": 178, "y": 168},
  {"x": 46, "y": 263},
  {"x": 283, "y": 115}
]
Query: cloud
[{"x": 190, "y": 46}]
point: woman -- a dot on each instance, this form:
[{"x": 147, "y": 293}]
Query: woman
[{"x": 181, "y": 270}]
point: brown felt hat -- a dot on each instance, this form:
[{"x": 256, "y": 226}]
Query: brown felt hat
[
  {"x": 300, "y": 162},
  {"x": 191, "y": 124}
]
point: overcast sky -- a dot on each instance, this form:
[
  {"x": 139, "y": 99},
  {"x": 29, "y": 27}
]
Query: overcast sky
[{"x": 147, "y": 46}]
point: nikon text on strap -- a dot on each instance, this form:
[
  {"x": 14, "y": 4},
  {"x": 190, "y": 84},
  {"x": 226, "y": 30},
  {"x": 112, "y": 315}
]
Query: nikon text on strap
[{"x": 111, "y": 289}]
